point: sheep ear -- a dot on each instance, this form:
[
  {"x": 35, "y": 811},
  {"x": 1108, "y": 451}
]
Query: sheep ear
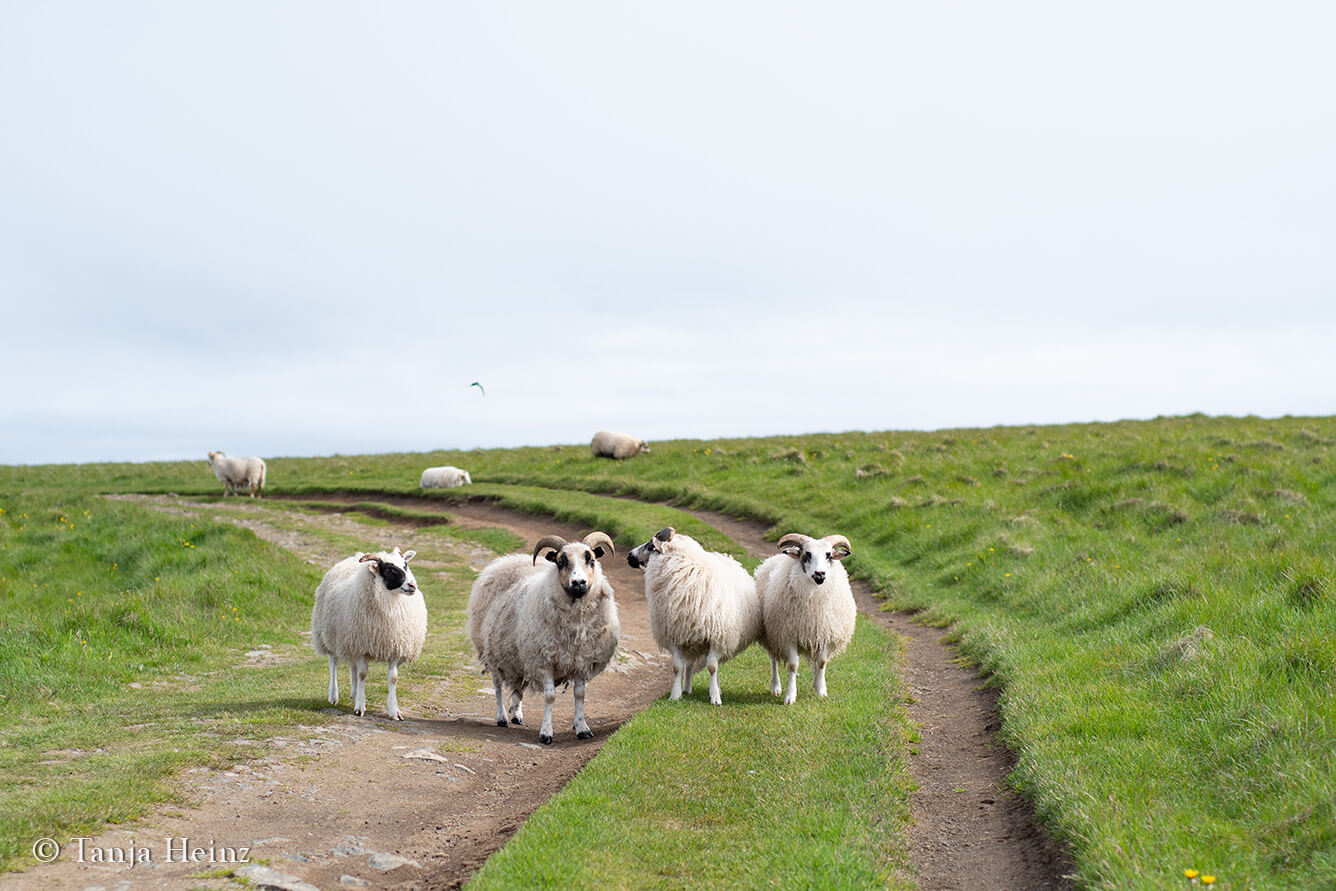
[
  {"x": 409, "y": 555},
  {"x": 666, "y": 533},
  {"x": 551, "y": 556},
  {"x": 839, "y": 546}
]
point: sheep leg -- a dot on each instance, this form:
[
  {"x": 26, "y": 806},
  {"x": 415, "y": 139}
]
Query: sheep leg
[
  {"x": 333, "y": 679},
  {"x": 819, "y": 662},
  {"x": 693, "y": 669},
  {"x": 679, "y": 669},
  {"x": 712, "y": 666},
  {"x": 791, "y": 696},
  {"x": 517, "y": 706},
  {"x": 582, "y": 730},
  {"x": 549, "y": 697},
  {"x": 359, "y": 691},
  {"x": 500, "y": 700},
  {"x": 392, "y": 680},
  {"x": 775, "y": 688},
  {"x": 352, "y": 679}
]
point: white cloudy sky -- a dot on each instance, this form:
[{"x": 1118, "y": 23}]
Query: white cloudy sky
[{"x": 305, "y": 228}]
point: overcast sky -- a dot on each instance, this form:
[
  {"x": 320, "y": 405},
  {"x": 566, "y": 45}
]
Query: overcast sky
[{"x": 284, "y": 228}]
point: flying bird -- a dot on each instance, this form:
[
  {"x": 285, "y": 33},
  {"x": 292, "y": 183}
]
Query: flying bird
[{"x": 479, "y": 386}]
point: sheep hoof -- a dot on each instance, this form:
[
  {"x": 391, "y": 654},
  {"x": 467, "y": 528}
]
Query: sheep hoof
[
  {"x": 585, "y": 734},
  {"x": 396, "y": 717},
  {"x": 517, "y": 720},
  {"x": 545, "y": 739},
  {"x": 501, "y": 722},
  {"x": 359, "y": 712}
]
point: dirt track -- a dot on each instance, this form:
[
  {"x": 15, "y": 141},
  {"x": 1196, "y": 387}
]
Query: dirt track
[{"x": 339, "y": 802}]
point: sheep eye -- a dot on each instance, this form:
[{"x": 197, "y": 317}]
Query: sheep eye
[
  {"x": 589, "y": 559},
  {"x": 561, "y": 561},
  {"x": 828, "y": 556}
]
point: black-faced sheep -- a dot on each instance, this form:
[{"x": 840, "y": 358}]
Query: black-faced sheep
[
  {"x": 238, "y": 473},
  {"x": 538, "y": 626},
  {"x": 807, "y": 607},
  {"x": 702, "y": 606},
  {"x": 607, "y": 444},
  {"x": 368, "y": 609}
]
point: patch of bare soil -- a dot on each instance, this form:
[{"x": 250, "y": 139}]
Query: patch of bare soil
[
  {"x": 369, "y": 802},
  {"x": 969, "y": 829}
]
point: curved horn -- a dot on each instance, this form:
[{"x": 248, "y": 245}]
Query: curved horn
[
  {"x": 365, "y": 557},
  {"x": 597, "y": 540},
  {"x": 555, "y": 542},
  {"x": 793, "y": 539},
  {"x": 839, "y": 541}
]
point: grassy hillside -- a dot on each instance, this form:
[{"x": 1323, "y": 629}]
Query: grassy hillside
[{"x": 1155, "y": 598}]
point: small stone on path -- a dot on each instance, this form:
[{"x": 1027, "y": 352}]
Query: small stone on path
[
  {"x": 387, "y": 862},
  {"x": 264, "y": 877}
]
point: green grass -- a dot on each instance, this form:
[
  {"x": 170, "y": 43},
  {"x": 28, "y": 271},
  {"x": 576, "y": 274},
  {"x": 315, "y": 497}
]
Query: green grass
[
  {"x": 1077, "y": 564},
  {"x": 744, "y": 795},
  {"x": 101, "y": 595}
]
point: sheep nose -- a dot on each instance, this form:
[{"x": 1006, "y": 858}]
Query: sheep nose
[
  {"x": 632, "y": 561},
  {"x": 818, "y": 577},
  {"x": 578, "y": 588}
]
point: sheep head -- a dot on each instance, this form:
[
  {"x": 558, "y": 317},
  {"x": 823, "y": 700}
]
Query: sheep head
[
  {"x": 638, "y": 557},
  {"x": 576, "y": 562},
  {"x": 815, "y": 555},
  {"x": 393, "y": 569}
]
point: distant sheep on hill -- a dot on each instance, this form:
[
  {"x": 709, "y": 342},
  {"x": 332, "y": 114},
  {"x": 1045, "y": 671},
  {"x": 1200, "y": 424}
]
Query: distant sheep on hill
[
  {"x": 607, "y": 444},
  {"x": 238, "y": 473},
  {"x": 446, "y": 477}
]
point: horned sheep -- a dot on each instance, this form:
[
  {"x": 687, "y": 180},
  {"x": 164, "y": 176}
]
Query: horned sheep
[
  {"x": 702, "y": 606},
  {"x": 807, "y": 605},
  {"x": 607, "y": 444},
  {"x": 368, "y": 609},
  {"x": 535, "y": 627},
  {"x": 238, "y": 473},
  {"x": 444, "y": 478}
]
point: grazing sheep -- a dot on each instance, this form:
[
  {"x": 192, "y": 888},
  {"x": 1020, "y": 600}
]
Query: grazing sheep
[
  {"x": 368, "y": 609},
  {"x": 238, "y": 473},
  {"x": 444, "y": 478},
  {"x": 535, "y": 627},
  {"x": 807, "y": 606},
  {"x": 607, "y": 444},
  {"x": 702, "y": 605}
]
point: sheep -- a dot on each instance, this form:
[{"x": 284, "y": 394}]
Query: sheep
[
  {"x": 807, "y": 607},
  {"x": 535, "y": 627},
  {"x": 702, "y": 606},
  {"x": 444, "y": 478},
  {"x": 238, "y": 473},
  {"x": 371, "y": 615},
  {"x": 607, "y": 444}
]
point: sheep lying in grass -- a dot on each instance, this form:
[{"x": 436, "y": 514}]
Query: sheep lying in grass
[
  {"x": 607, "y": 444},
  {"x": 238, "y": 473},
  {"x": 702, "y": 606},
  {"x": 444, "y": 478},
  {"x": 807, "y": 605},
  {"x": 368, "y": 609},
  {"x": 537, "y": 626}
]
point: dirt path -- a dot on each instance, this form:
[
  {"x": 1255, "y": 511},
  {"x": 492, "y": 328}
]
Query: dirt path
[
  {"x": 970, "y": 830},
  {"x": 369, "y": 802}
]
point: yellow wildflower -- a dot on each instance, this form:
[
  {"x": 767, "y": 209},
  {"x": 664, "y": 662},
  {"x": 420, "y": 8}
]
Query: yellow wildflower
[
  {"x": 1190, "y": 873},
  {"x": 1208, "y": 880}
]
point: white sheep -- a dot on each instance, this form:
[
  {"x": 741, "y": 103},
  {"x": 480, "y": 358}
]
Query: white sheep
[
  {"x": 702, "y": 605},
  {"x": 444, "y": 478},
  {"x": 607, "y": 444},
  {"x": 238, "y": 473},
  {"x": 537, "y": 626},
  {"x": 807, "y": 606},
  {"x": 368, "y": 609}
]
